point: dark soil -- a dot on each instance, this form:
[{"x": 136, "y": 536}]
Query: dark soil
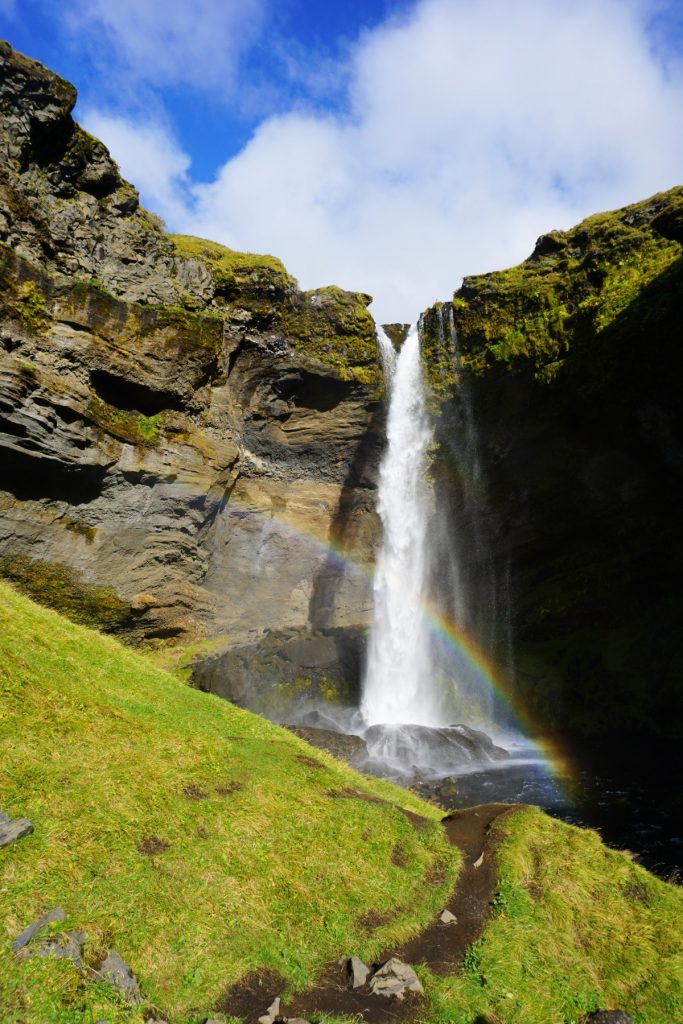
[
  {"x": 310, "y": 762},
  {"x": 252, "y": 995},
  {"x": 416, "y": 820},
  {"x": 194, "y": 793},
  {"x": 439, "y": 947},
  {"x": 151, "y": 845},
  {"x": 228, "y": 788}
]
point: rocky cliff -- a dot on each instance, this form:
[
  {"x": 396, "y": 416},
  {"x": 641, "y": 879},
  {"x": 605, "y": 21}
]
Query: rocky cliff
[
  {"x": 188, "y": 442},
  {"x": 572, "y": 365}
]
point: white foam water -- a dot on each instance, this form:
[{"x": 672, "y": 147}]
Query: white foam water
[{"x": 397, "y": 687}]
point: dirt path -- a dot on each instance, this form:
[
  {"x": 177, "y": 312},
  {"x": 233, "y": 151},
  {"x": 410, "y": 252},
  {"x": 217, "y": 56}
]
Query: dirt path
[{"x": 439, "y": 947}]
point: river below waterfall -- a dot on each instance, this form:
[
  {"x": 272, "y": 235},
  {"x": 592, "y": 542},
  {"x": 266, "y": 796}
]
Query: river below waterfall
[{"x": 634, "y": 802}]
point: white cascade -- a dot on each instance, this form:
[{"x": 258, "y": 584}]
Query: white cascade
[{"x": 397, "y": 687}]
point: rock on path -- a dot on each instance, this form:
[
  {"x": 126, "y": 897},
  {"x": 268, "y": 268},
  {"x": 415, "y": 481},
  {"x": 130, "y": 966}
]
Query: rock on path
[{"x": 394, "y": 979}]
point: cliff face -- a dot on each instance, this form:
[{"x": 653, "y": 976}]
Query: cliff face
[
  {"x": 184, "y": 435},
  {"x": 572, "y": 364}
]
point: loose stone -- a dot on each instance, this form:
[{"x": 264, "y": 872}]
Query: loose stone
[
  {"x": 448, "y": 918},
  {"x": 63, "y": 947},
  {"x": 358, "y": 972},
  {"x": 271, "y": 1013},
  {"x": 394, "y": 979},
  {"x": 118, "y": 974},
  {"x": 53, "y": 916},
  {"x": 12, "y": 829}
]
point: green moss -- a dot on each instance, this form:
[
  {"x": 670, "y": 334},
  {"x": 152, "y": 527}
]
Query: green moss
[
  {"x": 233, "y": 270},
  {"x": 335, "y": 327},
  {"x": 574, "y": 286},
  {"x": 132, "y": 427},
  {"x": 80, "y": 528},
  {"x": 32, "y": 306},
  {"x": 58, "y": 587},
  {"x": 149, "y": 427}
]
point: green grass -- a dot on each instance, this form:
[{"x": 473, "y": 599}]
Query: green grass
[
  {"x": 262, "y": 867},
  {"x": 101, "y": 750}
]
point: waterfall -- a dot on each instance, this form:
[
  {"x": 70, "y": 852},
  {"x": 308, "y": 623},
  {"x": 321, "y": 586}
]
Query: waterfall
[
  {"x": 434, "y": 552},
  {"x": 398, "y": 682}
]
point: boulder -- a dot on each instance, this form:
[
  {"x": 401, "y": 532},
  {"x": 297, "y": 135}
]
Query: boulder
[{"x": 394, "y": 979}]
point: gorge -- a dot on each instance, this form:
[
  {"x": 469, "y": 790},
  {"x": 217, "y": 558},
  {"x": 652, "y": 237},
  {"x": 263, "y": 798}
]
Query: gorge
[{"x": 449, "y": 554}]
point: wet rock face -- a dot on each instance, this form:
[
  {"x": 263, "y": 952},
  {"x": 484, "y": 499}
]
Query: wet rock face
[
  {"x": 572, "y": 361},
  {"x": 189, "y": 443}
]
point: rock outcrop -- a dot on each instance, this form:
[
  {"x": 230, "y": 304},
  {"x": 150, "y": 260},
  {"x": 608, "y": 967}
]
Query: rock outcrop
[
  {"x": 189, "y": 443},
  {"x": 571, "y": 364}
]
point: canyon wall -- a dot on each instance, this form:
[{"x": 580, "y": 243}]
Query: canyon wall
[
  {"x": 572, "y": 363},
  {"x": 188, "y": 442}
]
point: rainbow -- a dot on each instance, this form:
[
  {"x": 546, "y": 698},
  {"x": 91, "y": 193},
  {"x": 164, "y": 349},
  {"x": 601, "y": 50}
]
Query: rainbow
[{"x": 555, "y": 758}]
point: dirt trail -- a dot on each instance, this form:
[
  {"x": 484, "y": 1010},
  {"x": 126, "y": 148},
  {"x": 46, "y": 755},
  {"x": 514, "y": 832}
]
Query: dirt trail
[{"x": 439, "y": 947}]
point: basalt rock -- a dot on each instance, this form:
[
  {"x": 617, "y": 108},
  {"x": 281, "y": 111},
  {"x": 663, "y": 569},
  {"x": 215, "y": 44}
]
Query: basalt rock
[
  {"x": 55, "y": 916},
  {"x": 12, "y": 829},
  {"x": 567, "y": 368},
  {"x": 115, "y": 972},
  {"x": 187, "y": 439}
]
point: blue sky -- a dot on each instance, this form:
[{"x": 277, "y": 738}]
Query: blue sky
[{"x": 385, "y": 146}]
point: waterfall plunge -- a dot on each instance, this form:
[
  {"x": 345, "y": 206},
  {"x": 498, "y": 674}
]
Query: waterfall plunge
[{"x": 398, "y": 687}]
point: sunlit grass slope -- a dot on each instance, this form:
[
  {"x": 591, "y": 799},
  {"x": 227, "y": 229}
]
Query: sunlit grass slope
[
  {"x": 196, "y": 839},
  {"x": 575, "y": 927}
]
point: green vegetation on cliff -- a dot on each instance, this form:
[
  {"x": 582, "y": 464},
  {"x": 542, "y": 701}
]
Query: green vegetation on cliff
[
  {"x": 59, "y": 587},
  {"x": 571, "y": 363},
  {"x": 336, "y": 328},
  {"x": 574, "y": 285},
  {"x": 234, "y": 271}
]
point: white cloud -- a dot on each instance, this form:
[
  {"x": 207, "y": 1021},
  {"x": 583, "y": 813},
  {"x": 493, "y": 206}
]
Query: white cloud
[
  {"x": 172, "y": 41},
  {"x": 149, "y": 157},
  {"x": 473, "y": 127}
]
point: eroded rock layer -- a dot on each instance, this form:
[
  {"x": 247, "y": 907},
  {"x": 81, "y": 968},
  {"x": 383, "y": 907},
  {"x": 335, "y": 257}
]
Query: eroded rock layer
[{"x": 188, "y": 442}]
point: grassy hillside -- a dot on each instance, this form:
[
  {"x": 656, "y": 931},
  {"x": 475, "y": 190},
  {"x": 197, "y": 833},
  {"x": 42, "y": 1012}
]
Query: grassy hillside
[
  {"x": 202, "y": 842},
  {"x": 198, "y": 840}
]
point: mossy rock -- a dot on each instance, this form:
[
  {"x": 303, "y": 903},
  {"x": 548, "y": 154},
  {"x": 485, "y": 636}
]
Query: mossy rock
[
  {"x": 58, "y": 587},
  {"x": 574, "y": 286},
  {"x": 235, "y": 273},
  {"x": 336, "y": 328}
]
